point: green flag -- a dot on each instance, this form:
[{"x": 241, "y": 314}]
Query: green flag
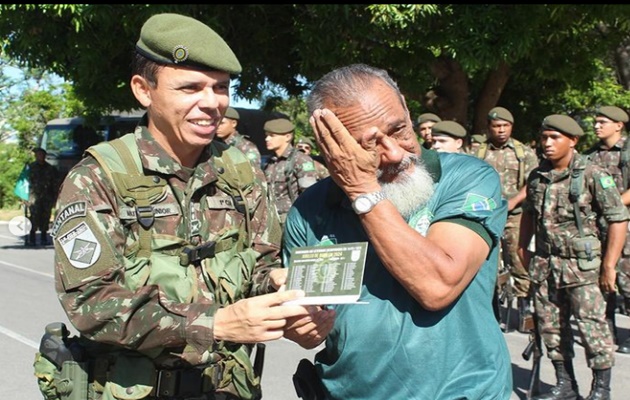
[{"x": 21, "y": 189}]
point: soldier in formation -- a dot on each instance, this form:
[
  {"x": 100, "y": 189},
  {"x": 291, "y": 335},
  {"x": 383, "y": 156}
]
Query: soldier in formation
[
  {"x": 571, "y": 270},
  {"x": 230, "y": 135},
  {"x": 513, "y": 161},
  {"x": 289, "y": 172}
]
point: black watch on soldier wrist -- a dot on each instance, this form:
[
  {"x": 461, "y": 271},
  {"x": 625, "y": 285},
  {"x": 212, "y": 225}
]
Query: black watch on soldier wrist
[{"x": 365, "y": 203}]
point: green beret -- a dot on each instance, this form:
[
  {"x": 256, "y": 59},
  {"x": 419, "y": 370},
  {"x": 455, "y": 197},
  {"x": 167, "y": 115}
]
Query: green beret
[
  {"x": 231, "y": 114},
  {"x": 614, "y": 113},
  {"x": 279, "y": 125},
  {"x": 563, "y": 124},
  {"x": 305, "y": 140},
  {"x": 184, "y": 41},
  {"x": 428, "y": 117},
  {"x": 500, "y": 113},
  {"x": 450, "y": 128}
]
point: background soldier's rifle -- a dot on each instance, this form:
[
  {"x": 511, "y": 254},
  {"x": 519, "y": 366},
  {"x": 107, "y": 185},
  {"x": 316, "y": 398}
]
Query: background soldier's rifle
[
  {"x": 534, "y": 348},
  {"x": 506, "y": 294}
]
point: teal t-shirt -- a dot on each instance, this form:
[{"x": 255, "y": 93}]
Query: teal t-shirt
[{"x": 392, "y": 348}]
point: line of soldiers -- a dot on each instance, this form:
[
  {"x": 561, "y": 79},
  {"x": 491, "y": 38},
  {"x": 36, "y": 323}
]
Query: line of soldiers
[
  {"x": 290, "y": 170},
  {"x": 565, "y": 241}
]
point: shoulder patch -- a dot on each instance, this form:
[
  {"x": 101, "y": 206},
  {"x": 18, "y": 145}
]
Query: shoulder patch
[
  {"x": 607, "y": 181},
  {"x": 475, "y": 202},
  {"x": 82, "y": 252},
  {"x": 70, "y": 211},
  {"x": 80, "y": 246},
  {"x": 308, "y": 166}
]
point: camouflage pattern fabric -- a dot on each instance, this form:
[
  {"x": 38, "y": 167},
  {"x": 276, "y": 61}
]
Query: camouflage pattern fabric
[
  {"x": 288, "y": 176},
  {"x": 43, "y": 186},
  {"x": 322, "y": 171},
  {"x": 610, "y": 159},
  {"x": 245, "y": 145},
  {"x": 553, "y": 312},
  {"x": 555, "y": 269},
  {"x": 505, "y": 162},
  {"x": 148, "y": 319}
]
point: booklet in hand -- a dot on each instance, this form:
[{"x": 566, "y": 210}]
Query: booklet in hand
[{"x": 327, "y": 274}]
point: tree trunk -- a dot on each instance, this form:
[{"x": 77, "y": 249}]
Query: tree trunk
[
  {"x": 449, "y": 99},
  {"x": 489, "y": 96},
  {"x": 622, "y": 61}
]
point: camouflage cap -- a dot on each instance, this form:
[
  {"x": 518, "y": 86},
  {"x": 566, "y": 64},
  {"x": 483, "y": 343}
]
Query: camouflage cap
[
  {"x": 177, "y": 39},
  {"x": 36, "y": 149},
  {"x": 614, "y": 113},
  {"x": 279, "y": 125},
  {"x": 563, "y": 124},
  {"x": 305, "y": 140},
  {"x": 428, "y": 117},
  {"x": 500, "y": 113},
  {"x": 450, "y": 128},
  {"x": 232, "y": 114}
]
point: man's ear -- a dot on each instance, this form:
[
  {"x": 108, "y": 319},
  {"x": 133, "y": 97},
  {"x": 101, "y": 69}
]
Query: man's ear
[{"x": 140, "y": 89}]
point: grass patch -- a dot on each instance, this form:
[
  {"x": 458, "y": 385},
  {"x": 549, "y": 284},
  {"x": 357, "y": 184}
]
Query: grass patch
[{"x": 7, "y": 214}]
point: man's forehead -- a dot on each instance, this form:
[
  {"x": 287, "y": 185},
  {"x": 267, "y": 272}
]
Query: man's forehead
[{"x": 379, "y": 106}]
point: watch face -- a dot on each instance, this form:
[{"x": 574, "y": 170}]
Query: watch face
[{"x": 362, "y": 204}]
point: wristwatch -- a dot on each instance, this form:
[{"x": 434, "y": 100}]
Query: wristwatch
[{"x": 365, "y": 203}]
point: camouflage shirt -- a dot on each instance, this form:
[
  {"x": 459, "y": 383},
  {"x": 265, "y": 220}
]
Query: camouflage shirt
[
  {"x": 548, "y": 201},
  {"x": 610, "y": 160},
  {"x": 245, "y": 145},
  {"x": 288, "y": 176},
  {"x": 505, "y": 162},
  {"x": 43, "y": 183},
  {"x": 191, "y": 210}
]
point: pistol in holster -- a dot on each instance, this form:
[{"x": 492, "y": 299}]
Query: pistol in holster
[
  {"x": 307, "y": 384},
  {"x": 67, "y": 356}
]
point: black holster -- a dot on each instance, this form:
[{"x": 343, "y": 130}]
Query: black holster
[{"x": 307, "y": 384}]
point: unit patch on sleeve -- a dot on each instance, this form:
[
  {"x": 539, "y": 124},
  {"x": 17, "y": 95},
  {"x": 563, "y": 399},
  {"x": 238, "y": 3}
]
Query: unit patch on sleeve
[
  {"x": 82, "y": 251},
  {"x": 76, "y": 209},
  {"x": 80, "y": 246}
]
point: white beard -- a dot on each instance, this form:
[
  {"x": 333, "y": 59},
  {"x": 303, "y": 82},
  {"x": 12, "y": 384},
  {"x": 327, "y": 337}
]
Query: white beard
[{"x": 409, "y": 192}]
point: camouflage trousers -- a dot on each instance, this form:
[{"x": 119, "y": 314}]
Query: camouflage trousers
[
  {"x": 509, "y": 247},
  {"x": 554, "y": 308}
]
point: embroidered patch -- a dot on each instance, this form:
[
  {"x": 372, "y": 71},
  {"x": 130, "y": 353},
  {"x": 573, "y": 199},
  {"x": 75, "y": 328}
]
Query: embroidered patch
[
  {"x": 308, "y": 166},
  {"x": 159, "y": 210},
  {"x": 80, "y": 246},
  {"x": 421, "y": 221},
  {"x": 475, "y": 202},
  {"x": 72, "y": 210},
  {"x": 220, "y": 203},
  {"x": 607, "y": 181}
]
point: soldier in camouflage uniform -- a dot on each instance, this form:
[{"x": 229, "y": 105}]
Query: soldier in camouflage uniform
[
  {"x": 289, "y": 171},
  {"x": 425, "y": 125},
  {"x": 305, "y": 145},
  {"x": 43, "y": 186},
  {"x": 612, "y": 151},
  {"x": 566, "y": 195},
  {"x": 513, "y": 161},
  {"x": 169, "y": 268},
  {"x": 228, "y": 133}
]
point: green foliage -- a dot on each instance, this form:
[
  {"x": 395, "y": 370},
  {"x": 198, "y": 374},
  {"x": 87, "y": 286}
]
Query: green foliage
[
  {"x": 554, "y": 53},
  {"x": 13, "y": 158}
]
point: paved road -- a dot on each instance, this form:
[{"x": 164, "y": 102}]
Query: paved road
[{"x": 28, "y": 303}]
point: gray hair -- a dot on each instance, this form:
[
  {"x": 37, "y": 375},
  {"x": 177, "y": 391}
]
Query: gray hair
[{"x": 344, "y": 86}]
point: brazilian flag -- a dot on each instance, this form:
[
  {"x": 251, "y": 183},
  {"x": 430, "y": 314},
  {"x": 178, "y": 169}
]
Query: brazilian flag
[{"x": 21, "y": 189}]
